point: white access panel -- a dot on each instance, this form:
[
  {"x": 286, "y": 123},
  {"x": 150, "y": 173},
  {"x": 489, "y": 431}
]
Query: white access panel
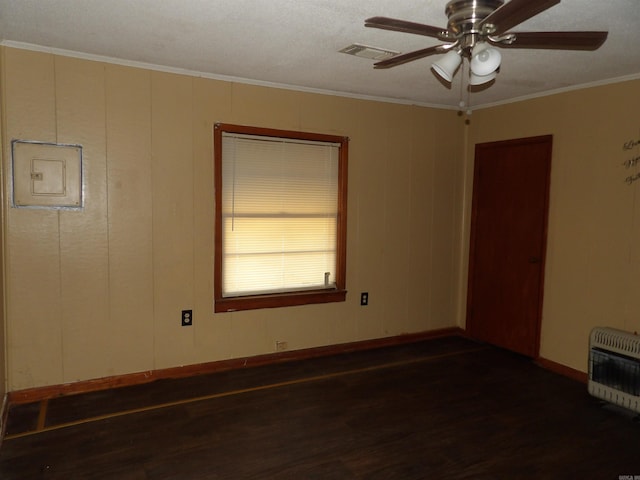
[{"x": 46, "y": 175}]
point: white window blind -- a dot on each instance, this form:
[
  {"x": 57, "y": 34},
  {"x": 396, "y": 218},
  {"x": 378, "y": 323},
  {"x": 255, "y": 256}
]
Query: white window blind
[{"x": 279, "y": 214}]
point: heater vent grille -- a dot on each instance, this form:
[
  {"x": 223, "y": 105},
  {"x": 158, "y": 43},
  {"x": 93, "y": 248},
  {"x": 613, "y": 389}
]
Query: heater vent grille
[
  {"x": 614, "y": 367},
  {"x": 616, "y": 341}
]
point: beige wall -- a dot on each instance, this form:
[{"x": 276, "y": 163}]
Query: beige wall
[
  {"x": 99, "y": 292},
  {"x": 3, "y": 347},
  {"x": 592, "y": 273}
]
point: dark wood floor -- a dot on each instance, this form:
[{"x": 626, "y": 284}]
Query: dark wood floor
[{"x": 445, "y": 408}]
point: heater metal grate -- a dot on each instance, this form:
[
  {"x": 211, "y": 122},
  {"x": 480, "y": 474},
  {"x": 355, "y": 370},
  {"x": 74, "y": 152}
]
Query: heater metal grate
[{"x": 614, "y": 367}]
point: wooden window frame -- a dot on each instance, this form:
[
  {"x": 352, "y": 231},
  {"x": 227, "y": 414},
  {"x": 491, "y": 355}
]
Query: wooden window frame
[{"x": 287, "y": 299}]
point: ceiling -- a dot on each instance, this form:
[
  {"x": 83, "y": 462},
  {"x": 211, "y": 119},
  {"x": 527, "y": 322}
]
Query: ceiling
[{"x": 296, "y": 43}]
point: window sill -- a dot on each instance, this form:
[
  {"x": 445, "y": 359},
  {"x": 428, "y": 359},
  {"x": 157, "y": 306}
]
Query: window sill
[{"x": 278, "y": 300}]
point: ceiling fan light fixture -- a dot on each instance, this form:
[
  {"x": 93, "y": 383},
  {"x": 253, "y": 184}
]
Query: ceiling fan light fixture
[
  {"x": 481, "y": 79},
  {"x": 485, "y": 59},
  {"x": 446, "y": 67},
  {"x": 474, "y": 31}
]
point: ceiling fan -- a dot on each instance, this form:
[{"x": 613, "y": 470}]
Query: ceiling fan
[{"x": 474, "y": 28}]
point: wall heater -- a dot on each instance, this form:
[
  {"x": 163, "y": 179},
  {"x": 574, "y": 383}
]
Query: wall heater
[{"x": 614, "y": 367}]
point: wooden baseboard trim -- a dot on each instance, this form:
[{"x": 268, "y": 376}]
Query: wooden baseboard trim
[
  {"x": 563, "y": 370},
  {"x": 4, "y": 415},
  {"x": 85, "y": 386}
]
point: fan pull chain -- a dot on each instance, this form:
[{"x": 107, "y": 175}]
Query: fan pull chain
[
  {"x": 467, "y": 120},
  {"x": 461, "y": 87},
  {"x": 461, "y": 103}
]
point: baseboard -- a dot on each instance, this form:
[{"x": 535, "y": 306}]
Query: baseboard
[
  {"x": 563, "y": 370},
  {"x": 85, "y": 386},
  {"x": 4, "y": 414}
]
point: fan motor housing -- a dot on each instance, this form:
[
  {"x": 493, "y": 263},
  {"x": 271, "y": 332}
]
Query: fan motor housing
[{"x": 464, "y": 15}]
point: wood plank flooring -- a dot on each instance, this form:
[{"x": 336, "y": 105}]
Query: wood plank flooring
[{"x": 438, "y": 409}]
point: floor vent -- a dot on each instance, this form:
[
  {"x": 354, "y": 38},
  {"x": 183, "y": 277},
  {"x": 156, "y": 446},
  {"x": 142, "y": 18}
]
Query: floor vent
[{"x": 614, "y": 367}]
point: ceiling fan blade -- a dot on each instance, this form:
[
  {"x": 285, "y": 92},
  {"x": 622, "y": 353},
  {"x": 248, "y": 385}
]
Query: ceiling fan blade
[
  {"x": 408, "y": 57},
  {"x": 395, "y": 25},
  {"x": 557, "y": 40},
  {"x": 514, "y": 12}
]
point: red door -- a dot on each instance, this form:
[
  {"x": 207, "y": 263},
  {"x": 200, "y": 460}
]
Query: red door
[{"x": 508, "y": 241}]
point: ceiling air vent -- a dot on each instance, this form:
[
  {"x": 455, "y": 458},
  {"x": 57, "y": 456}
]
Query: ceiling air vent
[{"x": 365, "y": 51}]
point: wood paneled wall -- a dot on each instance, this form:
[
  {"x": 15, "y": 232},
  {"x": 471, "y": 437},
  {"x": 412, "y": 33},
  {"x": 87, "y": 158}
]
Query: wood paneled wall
[
  {"x": 593, "y": 250},
  {"x": 99, "y": 292}
]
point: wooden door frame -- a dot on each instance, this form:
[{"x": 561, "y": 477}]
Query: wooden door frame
[{"x": 472, "y": 237}]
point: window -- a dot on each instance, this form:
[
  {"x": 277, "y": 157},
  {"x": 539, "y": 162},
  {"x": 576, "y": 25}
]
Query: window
[{"x": 281, "y": 204}]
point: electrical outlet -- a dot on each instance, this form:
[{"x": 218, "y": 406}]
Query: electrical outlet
[
  {"x": 187, "y": 318},
  {"x": 364, "y": 298},
  {"x": 281, "y": 346}
]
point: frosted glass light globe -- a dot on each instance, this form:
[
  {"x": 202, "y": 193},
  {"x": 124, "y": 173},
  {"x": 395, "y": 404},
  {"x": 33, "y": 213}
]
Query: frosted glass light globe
[{"x": 485, "y": 59}]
